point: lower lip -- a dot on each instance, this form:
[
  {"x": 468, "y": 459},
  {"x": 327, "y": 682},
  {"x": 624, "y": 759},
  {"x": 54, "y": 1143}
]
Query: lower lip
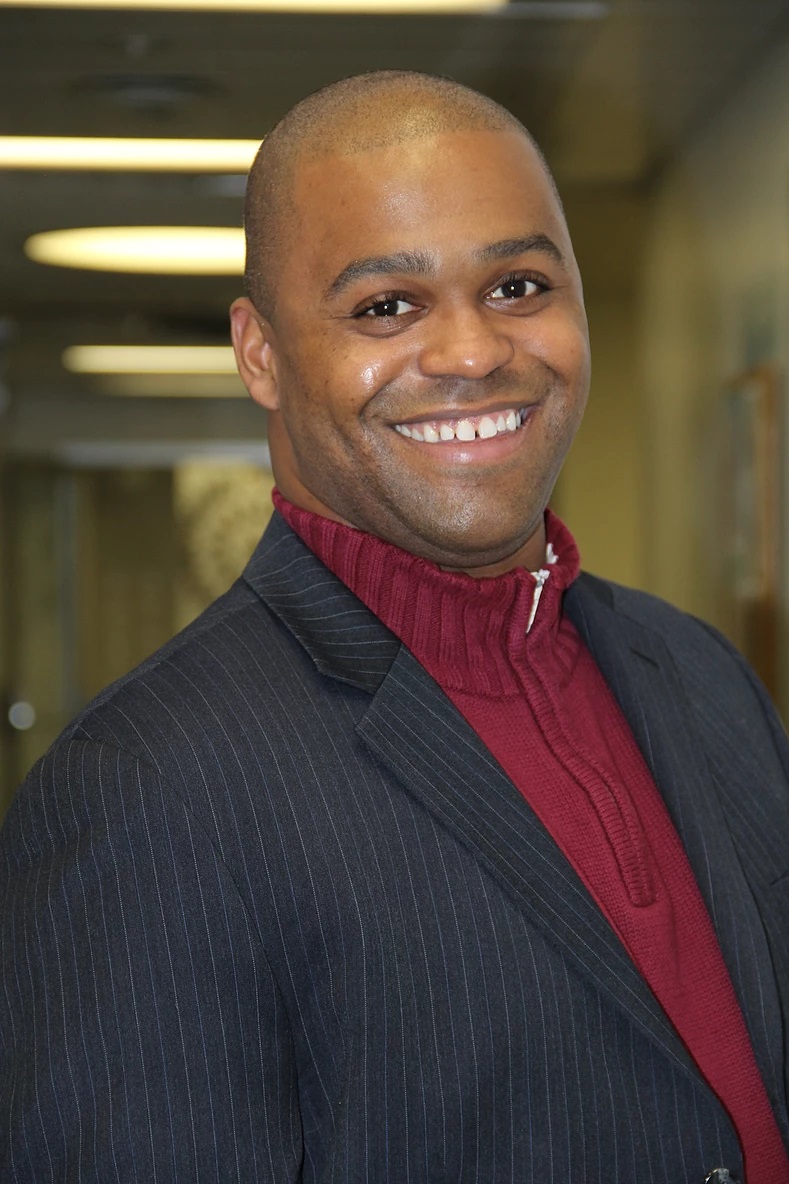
[{"x": 477, "y": 450}]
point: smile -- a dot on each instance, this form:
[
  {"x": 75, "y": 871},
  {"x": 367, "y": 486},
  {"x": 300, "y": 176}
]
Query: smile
[{"x": 473, "y": 427}]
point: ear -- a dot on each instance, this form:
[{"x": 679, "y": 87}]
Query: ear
[{"x": 251, "y": 335}]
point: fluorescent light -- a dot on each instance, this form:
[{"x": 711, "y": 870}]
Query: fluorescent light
[
  {"x": 150, "y": 359},
  {"x": 103, "y": 152},
  {"x": 161, "y": 250},
  {"x": 538, "y": 10},
  {"x": 367, "y": 7}
]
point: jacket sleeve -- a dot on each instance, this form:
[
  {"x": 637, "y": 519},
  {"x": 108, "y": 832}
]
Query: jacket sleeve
[{"x": 142, "y": 1035}]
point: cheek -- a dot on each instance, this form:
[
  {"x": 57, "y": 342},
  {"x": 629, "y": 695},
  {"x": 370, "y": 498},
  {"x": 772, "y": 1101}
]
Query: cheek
[
  {"x": 352, "y": 374},
  {"x": 370, "y": 375},
  {"x": 562, "y": 343},
  {"x": 368, "y": 364}
]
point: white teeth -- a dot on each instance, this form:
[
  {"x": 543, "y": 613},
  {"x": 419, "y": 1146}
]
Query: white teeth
[{"x": 484, "y": 428}]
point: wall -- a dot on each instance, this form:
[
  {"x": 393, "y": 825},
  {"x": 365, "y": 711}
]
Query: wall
[
  {"x": 35, "y": 504},
  {"x": 714, "y": 301},
  {"x": 101, "y": 567},
  {"x": 124, "y": 572},
  {"x": 600, "y": 492}
]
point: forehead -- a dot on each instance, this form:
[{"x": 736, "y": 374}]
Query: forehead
[{"x": 449, "y": 194}]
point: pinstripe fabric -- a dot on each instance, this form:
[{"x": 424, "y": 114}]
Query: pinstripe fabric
[{"x": 273, "y": 913}]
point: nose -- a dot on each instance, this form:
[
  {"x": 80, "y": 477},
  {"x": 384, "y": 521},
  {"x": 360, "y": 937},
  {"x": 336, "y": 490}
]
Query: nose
[{"x": 464, "y": 343}]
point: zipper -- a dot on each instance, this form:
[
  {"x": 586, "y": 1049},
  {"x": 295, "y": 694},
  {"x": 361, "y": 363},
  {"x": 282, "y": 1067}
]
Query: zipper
[{"x": 540, "y": 577}]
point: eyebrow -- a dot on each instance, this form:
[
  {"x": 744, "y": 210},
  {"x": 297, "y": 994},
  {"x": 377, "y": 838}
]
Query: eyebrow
[
  {"x": 400, "y": 262},
  {"x": 422, "y": 263},
  {"x": 520, "y": 246}
]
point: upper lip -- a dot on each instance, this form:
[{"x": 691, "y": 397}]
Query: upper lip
[{"x": 458, "y": 413}]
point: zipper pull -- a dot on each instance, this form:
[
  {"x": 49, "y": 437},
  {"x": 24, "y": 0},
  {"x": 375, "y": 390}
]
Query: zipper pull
[{"x": 540, "y": 577}]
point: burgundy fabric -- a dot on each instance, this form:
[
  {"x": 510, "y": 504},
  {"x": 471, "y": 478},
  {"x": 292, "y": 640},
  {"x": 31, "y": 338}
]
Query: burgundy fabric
[{"x": 540, "y": 704}]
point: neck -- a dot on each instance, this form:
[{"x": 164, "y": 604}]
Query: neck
[{"x": 530, "y": 556}]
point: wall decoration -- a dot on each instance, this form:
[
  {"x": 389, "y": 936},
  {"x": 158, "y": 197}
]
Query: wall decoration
[{"x": 221, "y": 510}]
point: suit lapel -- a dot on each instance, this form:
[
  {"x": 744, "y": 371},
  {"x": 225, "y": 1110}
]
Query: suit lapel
[
  {"x": 430, "y": 750},
  {"x": 343, "y": 638},
  {"x": 418, "y": 734},
  {"x": 644, "y": 679}
]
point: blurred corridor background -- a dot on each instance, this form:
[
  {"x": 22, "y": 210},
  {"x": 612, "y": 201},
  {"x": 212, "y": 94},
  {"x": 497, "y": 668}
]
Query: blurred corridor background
[{"x": 133, "y": 486}]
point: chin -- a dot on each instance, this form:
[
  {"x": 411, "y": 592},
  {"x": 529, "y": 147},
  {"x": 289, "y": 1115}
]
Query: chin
[
  {"x": 473, "y": 544},
  {"x": 465, "y": 551}
]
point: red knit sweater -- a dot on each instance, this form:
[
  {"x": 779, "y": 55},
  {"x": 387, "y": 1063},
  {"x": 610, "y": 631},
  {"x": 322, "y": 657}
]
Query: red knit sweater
[{"x": 535, "y": 696}]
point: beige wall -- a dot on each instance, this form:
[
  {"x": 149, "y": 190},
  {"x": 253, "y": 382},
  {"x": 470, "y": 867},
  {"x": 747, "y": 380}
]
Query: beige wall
[
  {"x": 687, "y": 287},
  {"x": 714, "y": 302},
  {"x": 125, "y": 566},
  {"x": 680, "y": 372},
  {"x": 35, "y": 641},
  {"x": 600, "y": 493}
]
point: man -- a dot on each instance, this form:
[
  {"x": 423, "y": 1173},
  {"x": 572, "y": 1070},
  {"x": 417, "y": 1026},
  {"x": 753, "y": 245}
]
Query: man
[{"x": 419, "y": 856}]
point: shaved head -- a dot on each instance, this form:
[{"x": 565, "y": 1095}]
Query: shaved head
[{"x": 356, "y": 115}]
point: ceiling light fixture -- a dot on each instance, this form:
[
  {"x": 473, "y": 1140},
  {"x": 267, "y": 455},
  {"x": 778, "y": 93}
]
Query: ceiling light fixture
[
  {"x": 530, "y": 9},
  {"x": 150, "y": 359},
  {"x": 360, "y": 7},
  {"x": 153, "y": 250},
  {"x": 146, "y": 155},
  {"x": 540, "y": 10}
]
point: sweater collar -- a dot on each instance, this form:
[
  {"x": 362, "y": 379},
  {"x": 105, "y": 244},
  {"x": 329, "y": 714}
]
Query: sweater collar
[{"x": 466, "y": 631}]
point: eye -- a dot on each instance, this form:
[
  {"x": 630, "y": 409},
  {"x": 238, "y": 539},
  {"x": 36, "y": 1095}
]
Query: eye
[
  {"x": 389, "y": 306},
  {"x": 516, "y": 287}
]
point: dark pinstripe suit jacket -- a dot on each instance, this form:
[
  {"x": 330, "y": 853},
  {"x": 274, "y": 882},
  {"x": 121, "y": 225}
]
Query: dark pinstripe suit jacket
[{"x": 272, "y": 912}]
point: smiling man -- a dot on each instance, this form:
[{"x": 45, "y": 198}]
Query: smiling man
[
  {"x": 424, "y": 354},
  {"x": 421, "y": 855}
]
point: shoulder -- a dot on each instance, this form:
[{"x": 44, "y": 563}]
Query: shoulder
[
  {"x": 203, "y": 728},
  {"x": 727, "y": 699},
  {"x": 690, "y": 640},
  {"x": 227, "y": 674}
]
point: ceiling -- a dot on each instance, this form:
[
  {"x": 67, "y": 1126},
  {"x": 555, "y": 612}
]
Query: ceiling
[{"x": 610, "y": 99}]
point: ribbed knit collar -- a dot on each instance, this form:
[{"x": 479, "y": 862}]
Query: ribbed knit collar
[{"x": 468, "y": 632}]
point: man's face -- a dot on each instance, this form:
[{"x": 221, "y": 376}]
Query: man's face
[{"x": 428, "y": 362}]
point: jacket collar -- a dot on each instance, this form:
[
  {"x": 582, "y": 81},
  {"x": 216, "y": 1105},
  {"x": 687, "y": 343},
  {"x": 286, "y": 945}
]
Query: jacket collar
[{"x": 343, "y": 638}]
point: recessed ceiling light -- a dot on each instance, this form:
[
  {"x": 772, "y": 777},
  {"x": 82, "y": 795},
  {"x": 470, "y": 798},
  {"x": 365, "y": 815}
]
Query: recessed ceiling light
[
  {"x": 159, "y": 250},
  {"x": 104, "y": 152},
  {"x": 374, "y": 7},
  {"x": 150, "y": 359}
]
